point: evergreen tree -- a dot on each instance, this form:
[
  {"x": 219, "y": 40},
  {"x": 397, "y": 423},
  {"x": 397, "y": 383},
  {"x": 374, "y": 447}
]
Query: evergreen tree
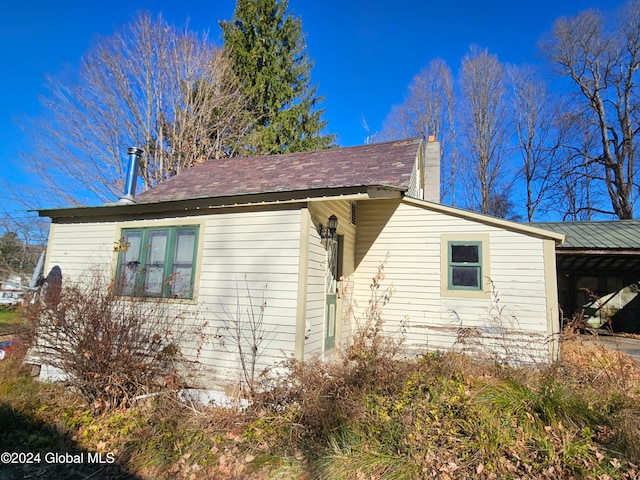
[
  {"x": 12, "y": 255},
  {"x": 268, "y": 49}
]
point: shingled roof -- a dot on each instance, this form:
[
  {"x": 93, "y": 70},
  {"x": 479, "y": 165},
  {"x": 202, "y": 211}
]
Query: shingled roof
[{"x": 382, "y": 164}]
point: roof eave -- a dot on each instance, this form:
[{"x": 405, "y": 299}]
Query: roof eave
[
  {"x": 597, "y": 251},
  {"x": 558, "y": 238},
  {"x": 115, "y": 211}
]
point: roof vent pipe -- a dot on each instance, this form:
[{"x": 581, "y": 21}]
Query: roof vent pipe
[{"x": 132, "y": 177}]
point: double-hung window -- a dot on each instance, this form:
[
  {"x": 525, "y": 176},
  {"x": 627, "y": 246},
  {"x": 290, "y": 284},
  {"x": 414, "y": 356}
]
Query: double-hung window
[
  {"x": 465, "y": 265},
  {"x": 157, "y": 262},
  {"x": 465, "y": 269}
]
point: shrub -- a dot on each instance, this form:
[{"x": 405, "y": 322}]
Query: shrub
[
  {"x": 318, "y": 395},
  {"x": 110, "y": 348}
]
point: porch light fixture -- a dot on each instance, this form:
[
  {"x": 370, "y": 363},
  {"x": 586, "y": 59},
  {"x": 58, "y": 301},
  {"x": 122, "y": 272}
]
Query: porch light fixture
[{"x": 329, "y": 231}]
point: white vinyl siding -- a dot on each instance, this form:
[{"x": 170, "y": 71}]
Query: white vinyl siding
[
  {"x": 243, "y": 259},
  {"x": 411, "y": 235},
  {"x": 80, "y": 248},
  {"x": 315, "y": 309},
  {"x": 321, "y": 211},
  {"x": 250, "y": 259}
]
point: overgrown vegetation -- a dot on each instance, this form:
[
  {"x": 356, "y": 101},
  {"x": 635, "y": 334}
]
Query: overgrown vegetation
[
  {"x": 109, "y": 348},
  {"x": 446, "y": 416},
  {"x": 373, "y": 416},
  {"x": 368, "y": 414}
]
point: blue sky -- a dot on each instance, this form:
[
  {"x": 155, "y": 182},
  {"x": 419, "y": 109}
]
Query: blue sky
[{"x": 365, "y": 52}]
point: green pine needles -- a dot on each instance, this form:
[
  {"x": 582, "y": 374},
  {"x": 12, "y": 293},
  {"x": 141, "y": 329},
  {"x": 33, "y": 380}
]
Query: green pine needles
[{"x": 268, "y": 49}]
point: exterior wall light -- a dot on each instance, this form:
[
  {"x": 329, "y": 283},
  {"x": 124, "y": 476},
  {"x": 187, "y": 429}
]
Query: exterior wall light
[{"x": 329, "y": 231}]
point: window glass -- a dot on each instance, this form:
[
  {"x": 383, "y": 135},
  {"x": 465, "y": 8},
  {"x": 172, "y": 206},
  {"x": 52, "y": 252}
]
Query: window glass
[
  {"x": 182, "y": 263},
  {"x": 181, "y": 282},
  {"x": 130, "y": 263},
  {"x": 132, "y": 241},
  {"x": 158, "y": 262},
  {"x": 464, "y": 276},
  {"x": 464, "y": 253},
  {"x": 465, "y": 266},
  {"x": 157, "y": 247},
  {"x": 185, "y": 242},
  {"x": 154, "y": 272}
]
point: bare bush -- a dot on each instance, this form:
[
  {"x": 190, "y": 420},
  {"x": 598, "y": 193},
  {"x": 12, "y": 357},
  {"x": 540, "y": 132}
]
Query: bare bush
[
  {"x": 110, "y": 348},
  {"x": 246, "y": 332}
]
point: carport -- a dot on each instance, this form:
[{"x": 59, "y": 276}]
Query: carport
[{"x": 601, "y": 258}]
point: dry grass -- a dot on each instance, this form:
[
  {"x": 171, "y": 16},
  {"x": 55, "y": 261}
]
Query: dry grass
[
  {"x": 448, "y": 416},
  {"x": 367, "y": 415},
  {"x": 599, "y": 366},
  {"x": 611, "y": 379}
]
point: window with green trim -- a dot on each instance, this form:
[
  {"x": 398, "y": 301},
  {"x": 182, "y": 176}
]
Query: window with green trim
[
  {"x": 464, "y": 265},
  {"x": 157, "y": 262}
]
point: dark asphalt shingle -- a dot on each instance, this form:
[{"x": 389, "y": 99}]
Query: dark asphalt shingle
[{"x": 385, "y": 164}]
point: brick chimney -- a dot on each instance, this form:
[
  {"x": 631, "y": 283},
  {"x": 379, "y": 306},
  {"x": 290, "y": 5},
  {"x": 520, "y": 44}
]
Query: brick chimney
[{"x": 431, "y": 170}]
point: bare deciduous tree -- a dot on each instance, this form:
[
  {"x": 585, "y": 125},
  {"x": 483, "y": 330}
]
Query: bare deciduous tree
[
  {"x": 425, "y": 111},
  {"x": 582, "y": 187},
  {"x": 428, "y": 112},
  {"x": 150, "y": 85},
  {"x": 539, "y": 136},
  {"x": 603, "y": 64},
  {"x": 484, "y": 120}
]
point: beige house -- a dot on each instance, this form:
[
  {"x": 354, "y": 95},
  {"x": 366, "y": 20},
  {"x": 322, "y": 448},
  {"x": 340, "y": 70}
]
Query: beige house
[{"x": 304, "y": 234}]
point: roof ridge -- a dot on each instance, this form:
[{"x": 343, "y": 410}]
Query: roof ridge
[{"x": 406, "y": 141}]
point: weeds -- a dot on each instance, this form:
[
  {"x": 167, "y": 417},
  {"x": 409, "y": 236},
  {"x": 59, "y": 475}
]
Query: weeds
[
  {"x": 316, "y": 396},
  {"x": 444, "y": 416},
  {"x": 441, "y": 416},
  {"x": 366, "y": 414},
  {"x": 501, "y": 339},
  {"x": 368, "y": 339}
]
